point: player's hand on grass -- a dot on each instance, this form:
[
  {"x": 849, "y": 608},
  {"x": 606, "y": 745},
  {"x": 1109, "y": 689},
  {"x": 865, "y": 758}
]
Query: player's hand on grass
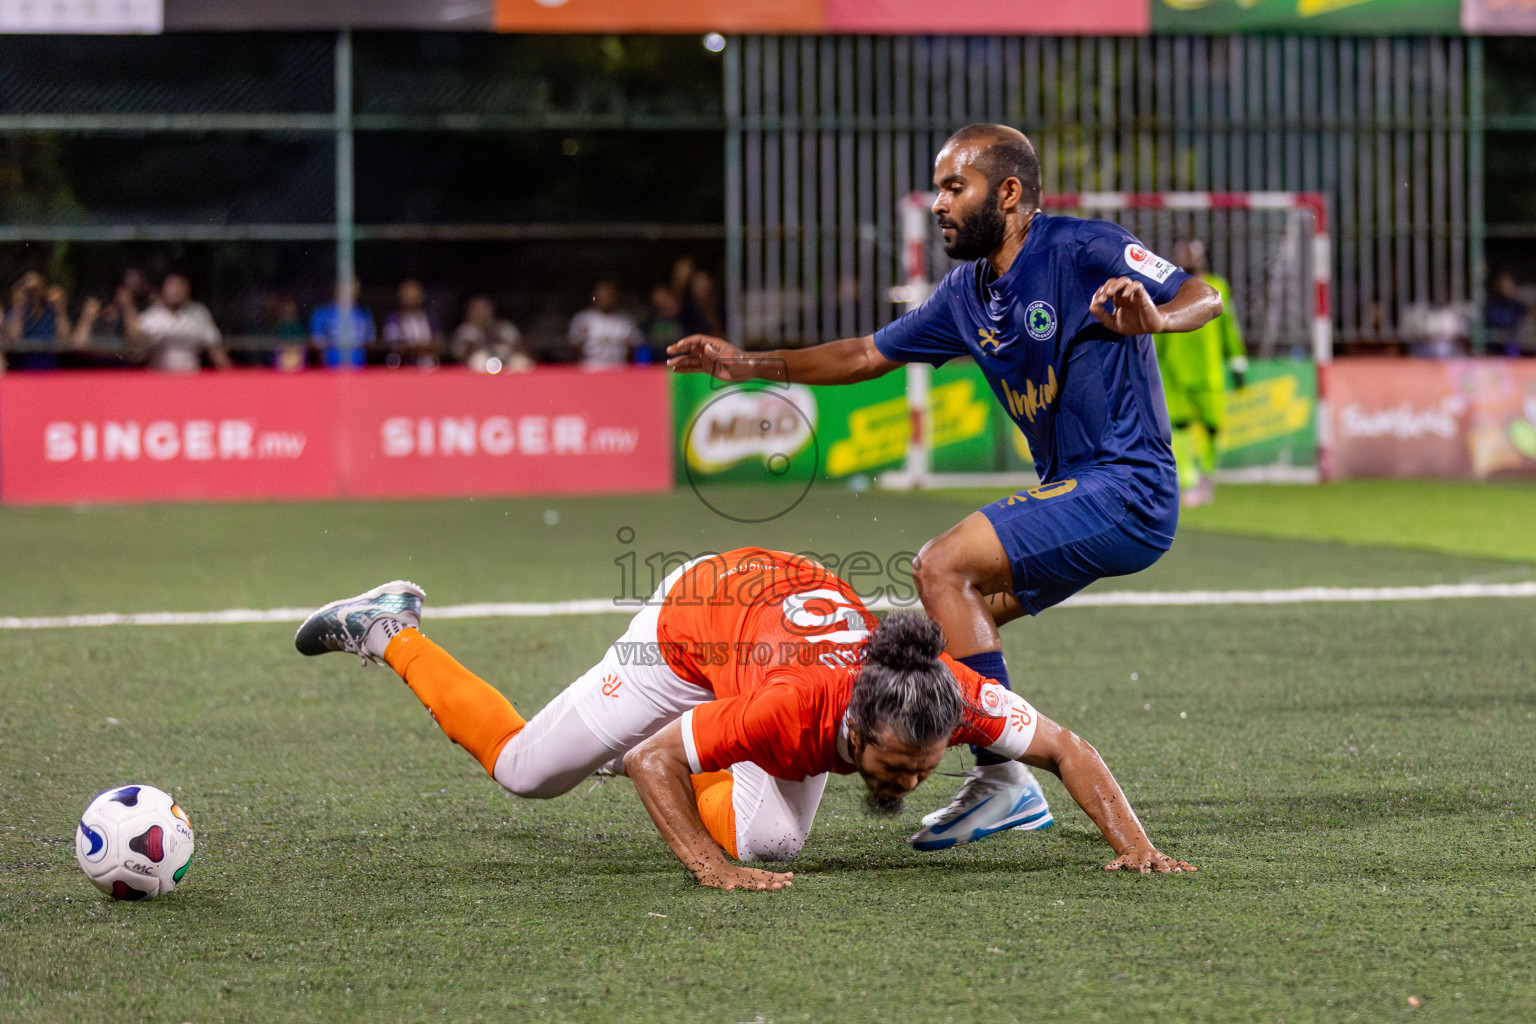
[
  {"x": 734, "y": 876},
  {"x": 1146, "y": 860},
  {"x": 1134, "y": 311},
  {"x": 699, "y": 353}
]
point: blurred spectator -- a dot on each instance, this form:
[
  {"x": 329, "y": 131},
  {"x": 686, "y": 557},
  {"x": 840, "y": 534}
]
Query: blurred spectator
[
  {"x": 486, "y": 344},
  {"x": 140, "y": 292},
  {"x": 178, "y": 331},
  {"x": 107, "y": 320},
  {"x": 1504, "y": 315},
  {"x": 325, "y": 332},
  {"x": 602, "y": 335},
  {"x": 682, "y": 275},
  {"x": 104, "y": 329},
  {"x": 702, "y": 312},
  {"x": 412, "y": 333},
  {"x": 38, "y": 316},
  {"x": 1435, "y": 332},
  {"x": 662, "y": 326},
  {"x": 286, "y": 325}
]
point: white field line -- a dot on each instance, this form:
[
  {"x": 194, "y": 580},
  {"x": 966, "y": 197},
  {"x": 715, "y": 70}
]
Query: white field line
[
  {"x": 1300, "y": 595},
  {"x": 603, "y": 605}
]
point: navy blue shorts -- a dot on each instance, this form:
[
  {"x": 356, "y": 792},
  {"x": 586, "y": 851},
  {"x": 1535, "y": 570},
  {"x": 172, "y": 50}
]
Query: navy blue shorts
[{"x": 1061, "y": 537}]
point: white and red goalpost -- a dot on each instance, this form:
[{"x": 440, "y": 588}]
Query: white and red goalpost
[{"x": 917, "y": 237}]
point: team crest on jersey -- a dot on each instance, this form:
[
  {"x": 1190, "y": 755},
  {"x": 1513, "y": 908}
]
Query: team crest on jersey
[
  {"x": 1147, "y": 263},
  {"x": 1040, "y": 320},
  {"x": 993, "y": 699}
]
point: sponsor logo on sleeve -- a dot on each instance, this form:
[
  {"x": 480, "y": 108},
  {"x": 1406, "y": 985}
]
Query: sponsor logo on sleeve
[
  {"x": 1147, "y": 263},
  {"x": 993, "y": 698}
]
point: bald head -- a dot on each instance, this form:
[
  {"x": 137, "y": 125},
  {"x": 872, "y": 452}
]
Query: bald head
[
  {"x": 998, "y": 152},
  {"x": 988, "y": 181}
]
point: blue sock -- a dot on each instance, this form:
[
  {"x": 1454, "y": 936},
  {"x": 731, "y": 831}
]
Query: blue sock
[{"x": 991, "y": 665}]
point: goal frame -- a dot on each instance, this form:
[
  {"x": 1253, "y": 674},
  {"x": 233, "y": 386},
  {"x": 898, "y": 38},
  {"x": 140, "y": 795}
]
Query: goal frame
[{"x": 918, "y": 474}]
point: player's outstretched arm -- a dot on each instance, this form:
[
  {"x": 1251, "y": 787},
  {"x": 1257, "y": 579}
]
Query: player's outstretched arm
[
  {"x": 659, "y": 769},
  {"x": 837, "y": 362},
  {"x": 1086, "y": 776},
  {"x": 1194, "y": 305}
]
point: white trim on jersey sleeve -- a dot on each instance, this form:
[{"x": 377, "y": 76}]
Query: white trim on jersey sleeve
[
  {"x": 689, "y": 747},
  {"x": 1019, "y": 726}
]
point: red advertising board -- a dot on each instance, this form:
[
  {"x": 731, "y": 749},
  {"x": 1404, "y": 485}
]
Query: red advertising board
[
  {"x": 1499, "y": 17},
  {"x": 109, "y": 437},
  {"x": 881, "y": 17},
  {"x": 1472, "y": 418},
  {"x": 990, "y": 17},
  {"x": 81, "y": 436},
  {"x": 650, "y": 16},
  {"x": 558, "y": 430}
]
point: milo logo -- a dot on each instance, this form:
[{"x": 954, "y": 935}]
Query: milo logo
[
  {"x": 770, "y": 430},
  {"x": 771, "y": 425}
]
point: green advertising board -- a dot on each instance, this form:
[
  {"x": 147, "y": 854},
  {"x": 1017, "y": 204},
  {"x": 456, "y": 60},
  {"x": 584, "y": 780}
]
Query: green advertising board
[
  {"x": 1324, "y": 17},
  {"x": 1272, "y": 419},
  {"x": 769, "y": 433},
  {"x": 773, "y": 433}
]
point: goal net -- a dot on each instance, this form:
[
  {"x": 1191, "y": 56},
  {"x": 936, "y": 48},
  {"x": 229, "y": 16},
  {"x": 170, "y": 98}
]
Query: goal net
[{"x": 1271, "y": 247}]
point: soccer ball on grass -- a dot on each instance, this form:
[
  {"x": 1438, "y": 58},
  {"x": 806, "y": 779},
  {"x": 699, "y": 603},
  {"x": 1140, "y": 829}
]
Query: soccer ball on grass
[{"x": 134, "y": 842}]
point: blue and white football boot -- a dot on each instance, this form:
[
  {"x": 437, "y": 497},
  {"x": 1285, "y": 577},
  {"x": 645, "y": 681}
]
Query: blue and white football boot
[
  {"x": 995, "y": 798},
  {"x": 362, "y": 625}
]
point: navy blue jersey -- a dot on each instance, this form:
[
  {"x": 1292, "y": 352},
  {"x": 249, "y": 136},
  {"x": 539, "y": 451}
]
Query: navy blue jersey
[{"x": 1088, "y": 400}]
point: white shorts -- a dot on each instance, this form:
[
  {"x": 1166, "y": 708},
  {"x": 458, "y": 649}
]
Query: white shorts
[
  {"x": 773, "y": 816},
  {"x": 613, "y": 706},
  {"x": 632, "y": 693}
]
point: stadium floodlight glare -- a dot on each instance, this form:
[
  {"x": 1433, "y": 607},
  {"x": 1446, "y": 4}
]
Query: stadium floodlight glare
[
  {"x": 714, "y": 42},
  {"x": 1307, "y": 212}
]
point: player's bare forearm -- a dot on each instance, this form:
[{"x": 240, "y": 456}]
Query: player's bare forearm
[
  {"x": 1089, "y": 781},
  {"x": 659, "y": 769},
  {"x": 1193, "y": 306},
  {"x": 848, "y": 361},
  {"x": 1123, "y": 305}
]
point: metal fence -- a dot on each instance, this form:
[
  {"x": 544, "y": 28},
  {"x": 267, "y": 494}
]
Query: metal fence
[
  {"x": 825, "y": 135},
  {"x": 291, "y": 157},
  {"x": 822, "y": 137}
]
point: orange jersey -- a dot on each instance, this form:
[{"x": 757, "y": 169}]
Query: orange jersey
[
  {"x": 779, "y": 640},
  {"x": 751, "y": 617}
]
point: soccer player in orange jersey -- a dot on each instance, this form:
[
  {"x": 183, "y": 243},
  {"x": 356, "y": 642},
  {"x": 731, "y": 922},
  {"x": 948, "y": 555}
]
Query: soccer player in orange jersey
[{"x": 745, "y": 680}]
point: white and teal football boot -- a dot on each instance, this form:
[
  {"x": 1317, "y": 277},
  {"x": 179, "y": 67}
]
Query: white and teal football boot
[
  {"x": 995, "y": 798},
  {"x": 362, "y": 625}
]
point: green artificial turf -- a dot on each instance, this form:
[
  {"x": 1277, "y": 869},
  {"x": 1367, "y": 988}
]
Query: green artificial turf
[
  {"x": 193, "y": 558},
  {"x": 1489, "y": 520},
  {"x": 1356, "y": 782}
]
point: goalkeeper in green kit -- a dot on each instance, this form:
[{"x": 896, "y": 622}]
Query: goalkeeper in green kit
[{"x": 1194, "y": 365}]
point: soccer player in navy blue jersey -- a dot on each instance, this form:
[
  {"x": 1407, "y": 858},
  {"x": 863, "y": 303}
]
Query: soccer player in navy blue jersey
[{"x": 1058, "y": 312}]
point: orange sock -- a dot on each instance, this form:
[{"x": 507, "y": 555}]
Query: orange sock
[
  {"x": 466, "y": 707},
  {"x": 714, "y": 792}
]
